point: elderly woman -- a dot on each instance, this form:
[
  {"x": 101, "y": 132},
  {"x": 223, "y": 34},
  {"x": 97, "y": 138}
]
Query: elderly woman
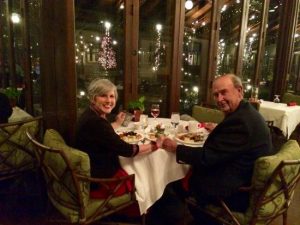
[{"x": 96, "y": 136}]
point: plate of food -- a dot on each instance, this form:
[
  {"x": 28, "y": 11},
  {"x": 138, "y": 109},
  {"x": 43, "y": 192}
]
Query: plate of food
[
  {"x": 152, "y": 136},
  {"x": 195, "y": 139},
  {"x": 131, "y": 137}
]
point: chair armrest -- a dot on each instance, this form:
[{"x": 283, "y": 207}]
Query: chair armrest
[{"x": 105, "y": 180}]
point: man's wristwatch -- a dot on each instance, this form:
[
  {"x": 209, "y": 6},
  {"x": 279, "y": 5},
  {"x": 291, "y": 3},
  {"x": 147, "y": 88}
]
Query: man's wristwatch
[{"x": 153, "y": 146}]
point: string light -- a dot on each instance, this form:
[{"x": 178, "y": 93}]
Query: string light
[
  {"x": 158, "y": 48},
  {"x": 15, "y": 18},
  {"x": 189, "y": 4}
]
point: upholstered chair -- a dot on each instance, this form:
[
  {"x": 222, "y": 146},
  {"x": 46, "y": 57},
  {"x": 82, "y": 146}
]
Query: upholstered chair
[
  {"x": 67, "y": 174},
  {"x": 204, "y": 114}
]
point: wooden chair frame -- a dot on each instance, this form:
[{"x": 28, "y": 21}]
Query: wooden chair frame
[
  {"x": 104, "y": 209},
  {"x": 227, "y": 216}
]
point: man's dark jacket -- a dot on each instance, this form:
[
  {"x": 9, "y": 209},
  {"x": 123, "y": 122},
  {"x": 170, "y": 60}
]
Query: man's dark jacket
[{"x": 226, "y": 160}]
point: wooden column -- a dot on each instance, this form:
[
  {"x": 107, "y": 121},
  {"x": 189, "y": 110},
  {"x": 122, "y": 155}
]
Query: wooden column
[
  {"x": 131, "y": 50},
  {"x": 11, "y": 52},
  {"x": 175, "y": 77},
  {"x": 288, "y": 22},
  {"x": 26, "y": 59},
  {"x": 58, "y": 76}
]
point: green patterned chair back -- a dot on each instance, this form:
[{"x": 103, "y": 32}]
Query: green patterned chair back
[
  {"x": 16, "y": 151},
  {"x": 59, "y": 162},
  {"x": 67, "y": 174},
  {"x": 274, "y": 180},
  {"x": 204, "y": 114}
]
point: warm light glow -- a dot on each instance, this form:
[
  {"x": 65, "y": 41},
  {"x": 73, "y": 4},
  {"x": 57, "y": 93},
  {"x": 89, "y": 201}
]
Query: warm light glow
[
  {"x": 224, "y": 8},
  {"x": 15, "y": 18},
  {"x": 189, "y": 4},
  {"x": 158, "y": 27},
  {"x": 107, "y": 25}
]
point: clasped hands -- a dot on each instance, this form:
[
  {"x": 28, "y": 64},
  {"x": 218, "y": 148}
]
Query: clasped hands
[{"x": 166, "y": 143}]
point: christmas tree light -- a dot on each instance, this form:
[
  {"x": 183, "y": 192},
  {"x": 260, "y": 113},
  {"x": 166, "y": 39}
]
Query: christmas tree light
[{"x": 107, "y": 56}]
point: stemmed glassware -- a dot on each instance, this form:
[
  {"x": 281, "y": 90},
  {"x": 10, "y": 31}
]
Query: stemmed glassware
[
  {"x": 276, "y": 98},
  {"x": 175, "y": 118},
  {"x": 155, "y": 110}
]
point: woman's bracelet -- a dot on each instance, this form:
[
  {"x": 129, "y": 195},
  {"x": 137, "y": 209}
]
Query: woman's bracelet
[{"x": 153, "y": 146}]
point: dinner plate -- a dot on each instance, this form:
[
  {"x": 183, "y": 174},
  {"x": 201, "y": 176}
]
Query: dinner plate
[
  {"x": 151, "y": 136},
  {"x": 131, "y": 137},
  {"x": 184, "y": 138}
]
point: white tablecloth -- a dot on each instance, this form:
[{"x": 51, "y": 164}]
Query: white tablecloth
[
  {"x": 18, "y": 114},
  {"x": 153, "y": 172},
  {"x": 285, "y": 117}
]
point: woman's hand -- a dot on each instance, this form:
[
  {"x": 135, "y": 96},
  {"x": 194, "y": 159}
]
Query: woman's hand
[{"x": 159, "y": 141}]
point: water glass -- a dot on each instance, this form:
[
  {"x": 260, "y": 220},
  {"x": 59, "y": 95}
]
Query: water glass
[
  {"x": 175, "y": 118},
  {"x": 144, "y": 121}
]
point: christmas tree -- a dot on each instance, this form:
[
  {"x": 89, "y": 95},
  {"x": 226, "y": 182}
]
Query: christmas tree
[{"x": 107, "y": 56}]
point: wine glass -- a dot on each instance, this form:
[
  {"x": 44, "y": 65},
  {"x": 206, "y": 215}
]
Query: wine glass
[
  {"x": 155, "y": 110},
  {"x": 175, "y": 118},
  {"x": 276, "y": 98}
]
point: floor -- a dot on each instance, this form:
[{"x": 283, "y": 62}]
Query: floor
[{"x": 27, "y": 211}]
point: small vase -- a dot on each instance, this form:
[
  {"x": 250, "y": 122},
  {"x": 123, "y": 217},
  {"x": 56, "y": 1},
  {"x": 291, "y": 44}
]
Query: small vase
[
  {"x": 13, "y": 102},
  {"x": 136, "y": 115}
]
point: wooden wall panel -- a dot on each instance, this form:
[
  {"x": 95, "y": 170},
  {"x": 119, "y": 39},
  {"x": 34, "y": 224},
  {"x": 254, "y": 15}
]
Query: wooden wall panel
[{"x": 58, "y": 66}]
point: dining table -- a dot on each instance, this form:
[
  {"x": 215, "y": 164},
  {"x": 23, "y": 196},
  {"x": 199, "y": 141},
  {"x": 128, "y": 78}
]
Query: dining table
[
  {"x": 285, "y": 117},
  {"x": 18, "y": 114},
  {"x": 153, "y": 171}
]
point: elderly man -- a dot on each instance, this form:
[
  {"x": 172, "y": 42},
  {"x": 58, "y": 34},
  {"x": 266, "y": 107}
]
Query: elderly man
[{"x": 226, "y": 160}]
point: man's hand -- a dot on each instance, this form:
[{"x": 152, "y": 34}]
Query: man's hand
[
  {"x": 210, "y": 126},
  {"x": 169, "y": 145}
]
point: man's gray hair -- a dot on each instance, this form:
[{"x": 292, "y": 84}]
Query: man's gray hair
[
  {"x": 237, "y": 82},
  {"x": 99, "y": 87}
]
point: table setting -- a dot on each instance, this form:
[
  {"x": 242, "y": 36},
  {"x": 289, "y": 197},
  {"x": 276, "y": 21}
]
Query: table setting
[
  {"x": 155, "y": 170},
  {"x": 18, "y": 114},
  {"x": 285, "y": 117},
  {"x": 189, "y": 133}
]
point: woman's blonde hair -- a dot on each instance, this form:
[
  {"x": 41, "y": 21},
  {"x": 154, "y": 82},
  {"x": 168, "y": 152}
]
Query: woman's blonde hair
[{"x": 98, "y": 87}]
